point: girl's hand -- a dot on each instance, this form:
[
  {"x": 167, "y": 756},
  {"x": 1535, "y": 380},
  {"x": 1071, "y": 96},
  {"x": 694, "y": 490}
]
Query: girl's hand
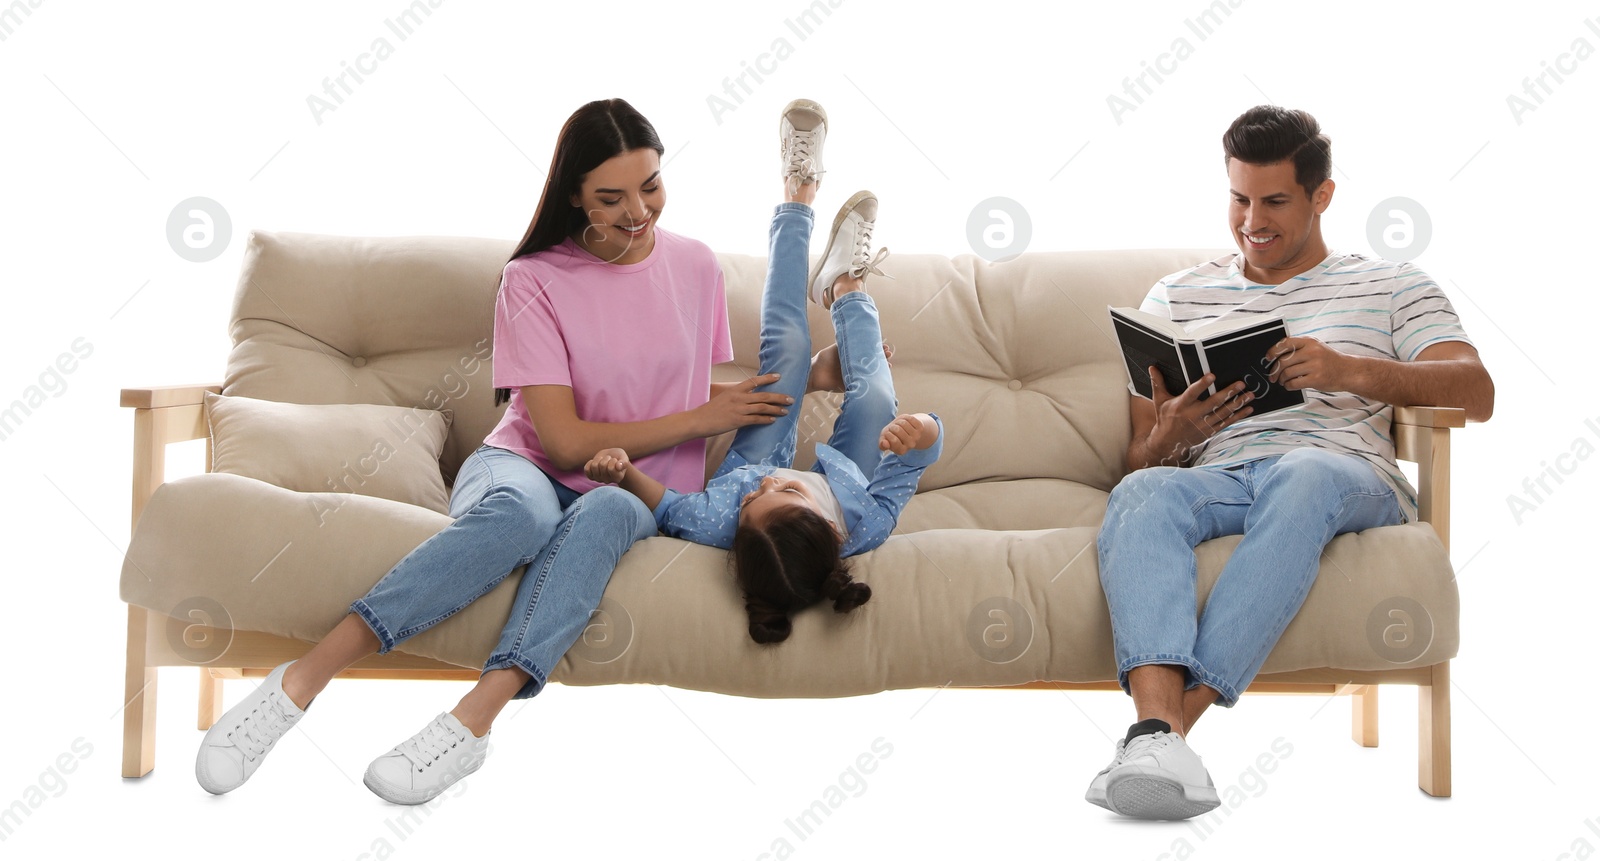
[
  {"x": 608, "y": 466},
  {"x": 739, "y": 405},
  {"x": 907, "y": 432}
]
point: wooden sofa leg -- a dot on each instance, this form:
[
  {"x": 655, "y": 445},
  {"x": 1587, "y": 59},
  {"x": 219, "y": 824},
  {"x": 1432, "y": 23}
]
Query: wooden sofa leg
[
  {"x": 139, "y": 700},
  {"x": 1433, "y": 733},
  {"x": 1364, "y": 715},
  {"x": 210, "y": 699}
]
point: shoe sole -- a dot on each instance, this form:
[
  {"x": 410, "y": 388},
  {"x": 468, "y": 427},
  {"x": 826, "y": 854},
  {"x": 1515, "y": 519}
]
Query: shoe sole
[
  {"x": 804, "y": 104},
  {"x": 1158, "y": 795},
  {"x": 833, "y": 235}
]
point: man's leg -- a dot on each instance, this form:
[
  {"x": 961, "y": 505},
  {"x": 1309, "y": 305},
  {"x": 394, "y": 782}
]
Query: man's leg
[{"x": 1302, "y": 501}]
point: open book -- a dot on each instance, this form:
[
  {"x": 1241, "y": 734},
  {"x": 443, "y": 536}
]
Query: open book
[{"x": 1232, "y": 350}]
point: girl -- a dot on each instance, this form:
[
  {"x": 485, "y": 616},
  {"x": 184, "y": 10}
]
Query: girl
[
  {"x": 600, "y": 320},
  {"x": 791, "y": 532}
]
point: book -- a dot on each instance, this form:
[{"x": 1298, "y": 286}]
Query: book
[{"x": 1233, "y": 350}]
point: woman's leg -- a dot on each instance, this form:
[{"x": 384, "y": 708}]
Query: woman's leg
[
  {"x": 869, "y": 399},
  {"x": 506, "y": 509},
  {"x": 785, "y": 334}
]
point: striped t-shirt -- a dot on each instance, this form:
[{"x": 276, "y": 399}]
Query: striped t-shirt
[{"x": 1355, "y": 304}]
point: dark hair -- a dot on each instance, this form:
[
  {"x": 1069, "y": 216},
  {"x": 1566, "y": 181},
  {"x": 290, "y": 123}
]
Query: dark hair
[
  {"x": 594, "y": 133},
  {"x": 1268, "y": 134},
  {"x": 787, "y": 565}
]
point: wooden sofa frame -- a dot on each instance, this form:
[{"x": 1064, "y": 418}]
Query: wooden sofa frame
[{"x": 170, "y": 414}]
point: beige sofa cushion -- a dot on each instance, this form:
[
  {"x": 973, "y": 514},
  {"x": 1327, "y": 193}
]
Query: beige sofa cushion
[
  {"x": 674, "y": 616},
  {"x": 383, "y": 451}
]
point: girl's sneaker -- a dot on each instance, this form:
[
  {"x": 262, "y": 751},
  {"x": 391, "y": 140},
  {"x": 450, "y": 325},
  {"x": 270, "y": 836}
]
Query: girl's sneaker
[
  {"x": 849, "y": 247},
  {"x": 801, "y": 132}
]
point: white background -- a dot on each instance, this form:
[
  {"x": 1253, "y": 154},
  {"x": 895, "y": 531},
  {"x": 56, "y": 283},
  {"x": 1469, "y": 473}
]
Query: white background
[{"x": 116, "y": 112}]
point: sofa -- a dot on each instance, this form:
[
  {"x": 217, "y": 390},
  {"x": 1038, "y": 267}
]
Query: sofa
[{"x": 990, "y": 579}]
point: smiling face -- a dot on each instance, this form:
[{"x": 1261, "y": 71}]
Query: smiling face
[
  {"x": 623, "y": 198},
  {"x": 772, "y": 495},
  {"x": 1275, "y": 223}
]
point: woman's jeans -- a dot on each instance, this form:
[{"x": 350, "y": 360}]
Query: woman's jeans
[
  {"x": 509, "y": 513},
  {"x": 1287, "y": 507},
  {"x": 869, "y": 400}
]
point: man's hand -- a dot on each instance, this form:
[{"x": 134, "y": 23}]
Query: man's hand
[
  {"x": 907, "y": 432},
  {"x": 738, "y": 405},
  {"x": 608, "y": 466},
  {"x": 1306, "y": 363},
  {"x": 1183, "y": 421}
]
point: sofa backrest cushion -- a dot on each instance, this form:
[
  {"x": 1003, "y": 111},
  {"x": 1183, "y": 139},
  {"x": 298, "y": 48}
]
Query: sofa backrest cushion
[{"x": 1016, "y": 357}]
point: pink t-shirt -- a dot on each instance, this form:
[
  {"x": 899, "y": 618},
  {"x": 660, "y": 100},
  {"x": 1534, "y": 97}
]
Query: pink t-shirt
[{"x": 634, "y": 342}]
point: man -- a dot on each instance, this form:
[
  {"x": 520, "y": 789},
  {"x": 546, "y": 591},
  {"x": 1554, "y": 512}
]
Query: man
[{"x": 1365, "y": 335}]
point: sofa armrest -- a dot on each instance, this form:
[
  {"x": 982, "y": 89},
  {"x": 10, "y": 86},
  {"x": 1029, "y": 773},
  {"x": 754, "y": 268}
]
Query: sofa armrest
[
  {"x": 163, "y": 415},
  {"x": 1422, "y": 436}
]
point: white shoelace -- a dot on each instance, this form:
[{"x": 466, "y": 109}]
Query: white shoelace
[
  {"x": 260, "y": 730},
  {"x": 799, "y": 158},
  {"x": 862, "y": 260},
  {"x": 1149, "y": 743},
  {"x": 429, "y": 745}
]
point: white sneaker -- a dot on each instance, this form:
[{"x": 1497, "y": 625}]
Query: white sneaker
[
  {"x": 1097, "y": 787},
  {"x": 801, "y": 132},
  {"x": 849, "y": 247},
  {"x": 235, "y": 745},
  {"x": 428, "y": 763},
  {"x": 1160, "y": 777}
]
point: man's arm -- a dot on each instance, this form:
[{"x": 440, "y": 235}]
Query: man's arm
[{"x": 1446, "y": 374}]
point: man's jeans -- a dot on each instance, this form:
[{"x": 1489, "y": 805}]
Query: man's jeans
[
  {"x": 1287, "y": 507},
  {"x": 508, "y": 513},
  {"x": 869, "y": 400}
]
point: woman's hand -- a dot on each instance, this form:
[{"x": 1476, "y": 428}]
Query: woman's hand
[
  {"x": 739, "y": 405},
  {"x": 608, "y": 466}
]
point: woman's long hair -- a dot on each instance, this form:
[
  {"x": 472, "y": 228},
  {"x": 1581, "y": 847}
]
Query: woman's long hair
[{"x": 594, "y": 133}]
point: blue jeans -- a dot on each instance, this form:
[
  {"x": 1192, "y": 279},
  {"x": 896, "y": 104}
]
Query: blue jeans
[
  {"x": 509, "y": 513},
  {"x": 869, "y": 400},
  {"x": 1287, "y": 508}
]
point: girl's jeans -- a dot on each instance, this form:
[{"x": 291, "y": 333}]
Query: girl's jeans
[
  {"x": 1287, "y": 507},
  {"x": 509, "y": 513},
  {"x": 869, "y": 400}
]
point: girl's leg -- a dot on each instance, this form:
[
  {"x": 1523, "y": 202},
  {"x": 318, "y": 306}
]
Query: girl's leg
[
  {"x": 785, "y": 334},
  {"x": 869, "y": 399}
]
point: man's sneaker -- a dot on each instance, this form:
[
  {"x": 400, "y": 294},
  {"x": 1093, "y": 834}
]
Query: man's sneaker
[
  {"x": 801, "y": 132},
  {"x": 849, "y": 247},
  {"x": 235, "y": 745},
  {"x": 1159, "y": 776},
  {"x": 1097, "y": 787},
  {"x": 428, "y": 763}
]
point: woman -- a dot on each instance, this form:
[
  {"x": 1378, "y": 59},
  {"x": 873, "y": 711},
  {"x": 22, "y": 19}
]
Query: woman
[{"x": 606, "y": 329}]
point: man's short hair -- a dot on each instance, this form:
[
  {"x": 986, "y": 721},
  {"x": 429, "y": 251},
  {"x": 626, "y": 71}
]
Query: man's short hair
[{"x": 1268, "y": 134}]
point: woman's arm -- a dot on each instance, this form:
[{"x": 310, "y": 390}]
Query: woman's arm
[{"x": 569, "y": 441}]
